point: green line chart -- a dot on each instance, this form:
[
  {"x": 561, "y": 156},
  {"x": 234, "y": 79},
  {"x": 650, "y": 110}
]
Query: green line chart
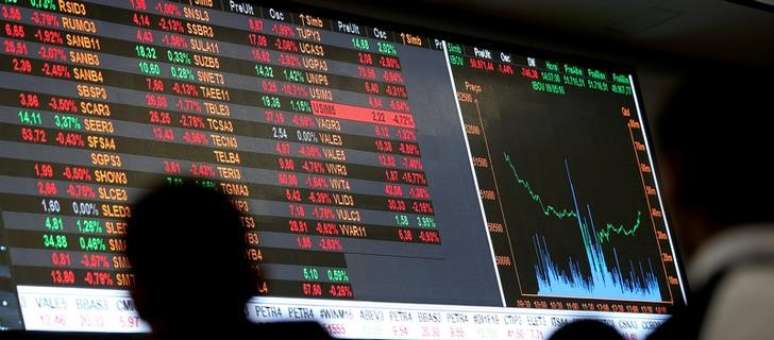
[{"x": 603, "y": 235}]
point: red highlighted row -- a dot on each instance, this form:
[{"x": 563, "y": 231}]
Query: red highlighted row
[{"x": 362, "y": 114}]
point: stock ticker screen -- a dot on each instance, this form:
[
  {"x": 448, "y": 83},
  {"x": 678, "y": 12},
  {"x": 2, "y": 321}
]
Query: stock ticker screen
[{"x": 395, "y": 185}]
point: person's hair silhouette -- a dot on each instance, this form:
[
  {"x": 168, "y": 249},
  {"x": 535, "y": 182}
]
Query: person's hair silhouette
[
  {"x": 715, "y": 136},
  {"x": 187, "y": 245},
  {"x": 587, "y": 330}
]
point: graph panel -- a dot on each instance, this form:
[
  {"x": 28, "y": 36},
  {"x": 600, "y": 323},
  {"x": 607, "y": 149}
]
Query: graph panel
[{"x": 566, "y": 182}]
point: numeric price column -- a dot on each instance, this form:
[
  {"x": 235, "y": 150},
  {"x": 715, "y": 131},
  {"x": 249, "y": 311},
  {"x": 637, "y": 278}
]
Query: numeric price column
[
  {"x": 284, "y": 96},
  {"x": 406, "y": 186}
]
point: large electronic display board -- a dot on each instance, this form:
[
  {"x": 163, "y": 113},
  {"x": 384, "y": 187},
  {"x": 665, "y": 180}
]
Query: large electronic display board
[{"x": 395, "y": 184}]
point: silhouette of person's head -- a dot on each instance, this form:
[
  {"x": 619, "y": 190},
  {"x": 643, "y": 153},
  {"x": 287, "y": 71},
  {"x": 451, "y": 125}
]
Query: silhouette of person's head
[
  {"x": 586, "y": 330},
  {"x": 716, "y": 138},
  {"x": 187, "y": 245}
]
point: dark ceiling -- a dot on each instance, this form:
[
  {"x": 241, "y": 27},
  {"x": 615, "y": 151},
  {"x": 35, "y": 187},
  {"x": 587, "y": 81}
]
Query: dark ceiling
[
  {"x": 703, "y": 29},
  {"x": 714, "y": 31}
]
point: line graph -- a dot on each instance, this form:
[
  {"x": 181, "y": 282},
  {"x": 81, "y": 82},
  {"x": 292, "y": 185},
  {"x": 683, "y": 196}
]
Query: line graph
[
  {"x": 590, "y": 274},
  {"x": 549, "y": 210}
]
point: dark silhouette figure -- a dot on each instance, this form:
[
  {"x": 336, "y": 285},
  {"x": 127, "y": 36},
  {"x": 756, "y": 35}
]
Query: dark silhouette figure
[
  {"x": 587, "y": 330},
  {"x": 192, "y": 279},
  {"x": 716, "y": 137}
]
